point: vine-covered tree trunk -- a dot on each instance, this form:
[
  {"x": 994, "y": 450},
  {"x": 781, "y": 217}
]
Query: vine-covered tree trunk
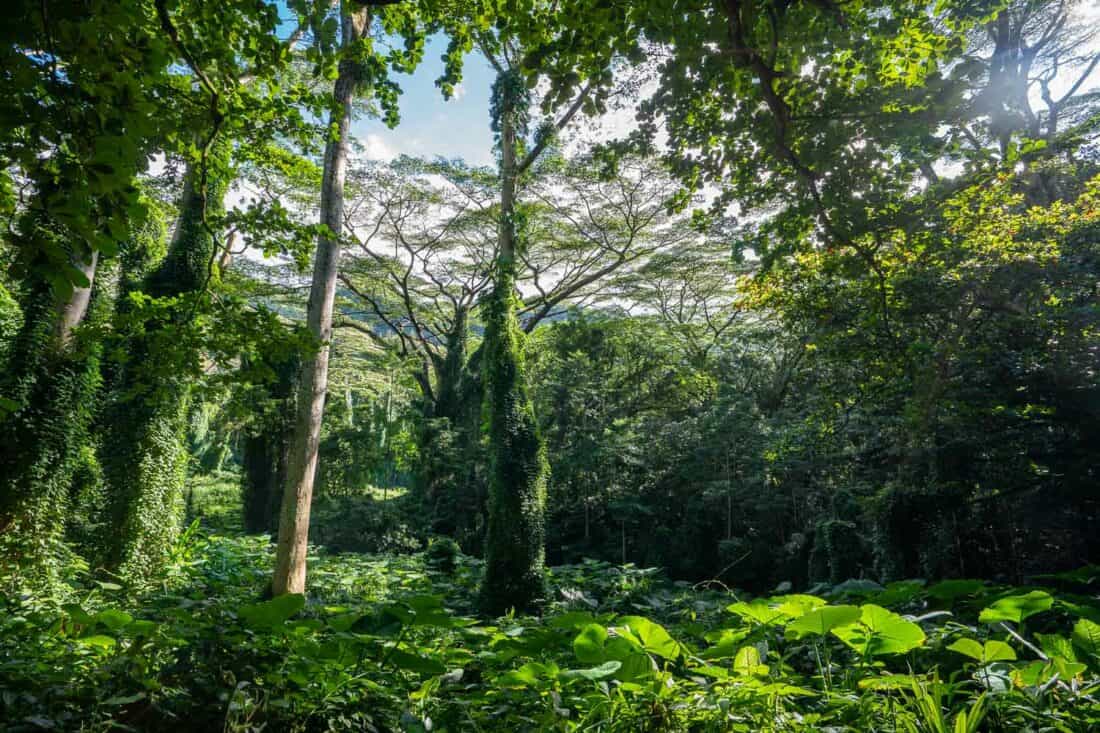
[
  {"x": 290, "y": 557},
  {"x": 52, "y": 381},
  {"x": 144, "y": 455},
  {"x": 48, "y": 389},
  {"x": 448, "y": 478},
  {"x": 518, "y": 471}
]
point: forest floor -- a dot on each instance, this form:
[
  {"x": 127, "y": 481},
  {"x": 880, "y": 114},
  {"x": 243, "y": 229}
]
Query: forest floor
[{"x": 393, "y": 643}]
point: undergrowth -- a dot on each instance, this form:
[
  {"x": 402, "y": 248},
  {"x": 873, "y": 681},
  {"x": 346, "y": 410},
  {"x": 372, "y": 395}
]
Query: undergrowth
[{"x": 390, "y": 643}]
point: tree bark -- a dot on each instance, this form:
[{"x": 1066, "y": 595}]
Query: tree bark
[
  {"x": 73, "y": 310},
  {"x": 518, "y": 467},
  {"x": 290, "y": 557}
]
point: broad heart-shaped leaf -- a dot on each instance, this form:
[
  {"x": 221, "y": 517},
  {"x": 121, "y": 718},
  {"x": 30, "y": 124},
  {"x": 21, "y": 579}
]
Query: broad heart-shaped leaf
[
  {"x": 636, "y": 664},
  {"x": 760, "y": 611},
  {"x": 274, "y": 612},
  {"x": 653, "y": 636},
  {"x": 822, "y": 620},
  {"x": 588, "y": 646},
  {"x": 797, "y": 605},
  {"x": 593, "y": 673},
  {"x": 1016, "y": 608},
  {"x": 1086, "y": 637},
  {"x": 992, "y": 651},
  {"x": 112, "y": 618},
  {"x": 880, "y": 632},
  {"x": 969, "y": 648}
]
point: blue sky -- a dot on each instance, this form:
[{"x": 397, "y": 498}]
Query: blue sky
[{"x": 430, "y": 126}]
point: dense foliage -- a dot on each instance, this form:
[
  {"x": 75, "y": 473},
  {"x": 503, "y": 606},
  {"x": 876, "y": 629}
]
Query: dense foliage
[{"x": 392, "y": 643}]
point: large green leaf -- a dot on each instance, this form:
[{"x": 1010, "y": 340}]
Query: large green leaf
[
  {"x": 1086, "y": 637},
  {"x": 112, "y": 618},
  {"x": 653, "y": 636},
  {"x": 274, "y": 612},
  {"x": 880, "y": 632},
  {"x": 822, "y": 620},
  {"x": 1016, "y": 608},
  {"x": 991, "y": 651},
  {"x": 588, "y": 645},
  {"x": 760, "y": 611},
  {"x": 797, "y": 605}
]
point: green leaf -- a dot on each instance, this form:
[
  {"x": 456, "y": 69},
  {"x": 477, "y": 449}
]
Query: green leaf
[
  {"x": 594, "y": 673},
  {"x": 949, "y": 590},
  {"x": 416, "y": 663},
  {"x": 529, "y": 675},
  {"x": 98, "y": 640},
  {"x": 760, "y": 611},
  {"x": 588, "y": 646},
  {"x": 797, "y": 605},
  {"x": 969, "y": 648},
  {"x": 571, "y": 620},
  {"x": 992, "y": 651},
  {"x": 1032, "y": 675},
  {"x": 1016, "y": 608},
  {"x": 747, "y": 662},
  {"x": 344, "y": 621},
  {"x": 822, "y": 620},
  {"x": 1086, "y": 636},
  {"x": 653, "y": 636},
  {"x": 274, "y": 612},
  {"x": 880, "y": 632},
  {"x": 113, "y": 619},
  {"x": 725, "y": 643},
  {"x": 1056, "y": 645}
]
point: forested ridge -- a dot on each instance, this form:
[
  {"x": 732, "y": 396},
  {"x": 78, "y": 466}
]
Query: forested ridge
[{"x": 754, "y": 385}]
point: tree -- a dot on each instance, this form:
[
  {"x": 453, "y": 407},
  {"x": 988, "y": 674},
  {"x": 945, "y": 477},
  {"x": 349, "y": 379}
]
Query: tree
[
  {"x": 427, "y": 243},
  {"x": 290, "y": 560},
  {"x": 360, "y": 68}
]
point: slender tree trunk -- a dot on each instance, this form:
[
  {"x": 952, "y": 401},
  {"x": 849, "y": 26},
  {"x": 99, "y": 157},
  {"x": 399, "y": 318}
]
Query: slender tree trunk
[
  {"x": 518, "y": 470},
  {"x": 290, "y": 557}
]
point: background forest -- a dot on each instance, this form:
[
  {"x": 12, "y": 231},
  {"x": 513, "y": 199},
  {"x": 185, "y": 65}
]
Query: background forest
[{"x": 747, "y": 298}]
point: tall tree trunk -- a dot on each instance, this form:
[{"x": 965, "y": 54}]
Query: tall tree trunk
[
  {"x": 290, "y": 556},
  {"x": 518, "y": 471},
  {"x": 144, "y": 456},
  {"x": 49, "y": 385}
]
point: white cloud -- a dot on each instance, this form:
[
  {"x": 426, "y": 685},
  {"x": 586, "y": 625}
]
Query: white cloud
[{"x": 375, "y": 148}]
